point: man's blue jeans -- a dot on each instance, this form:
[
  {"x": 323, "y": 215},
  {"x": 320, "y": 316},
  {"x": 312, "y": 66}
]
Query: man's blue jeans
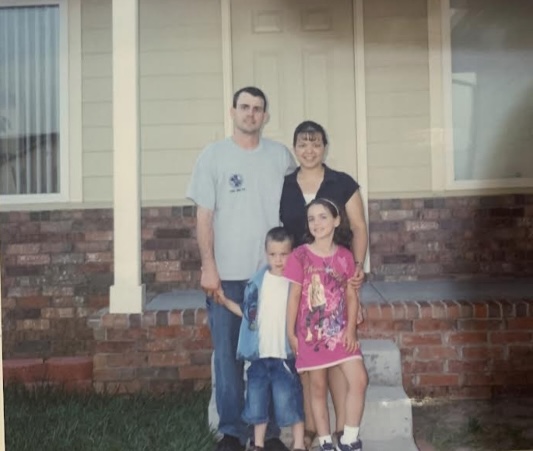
[{"x": 229, "y": 372}]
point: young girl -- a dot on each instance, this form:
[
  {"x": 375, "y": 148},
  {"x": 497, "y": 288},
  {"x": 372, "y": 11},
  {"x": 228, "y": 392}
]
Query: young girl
[{"x": 329, "y": 338}]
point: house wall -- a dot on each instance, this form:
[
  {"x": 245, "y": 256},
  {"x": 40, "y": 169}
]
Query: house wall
[
  {"x": 180, "y": 90},
  {"x": 397, "y": 97}
]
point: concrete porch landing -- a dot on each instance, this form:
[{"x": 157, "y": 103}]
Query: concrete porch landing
[{"x": 388, "y": 292}]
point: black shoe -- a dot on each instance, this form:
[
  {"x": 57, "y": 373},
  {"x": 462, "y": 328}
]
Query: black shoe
[
  {"x": 229, "y": 443},
  {"x": 275, "y": 444}
]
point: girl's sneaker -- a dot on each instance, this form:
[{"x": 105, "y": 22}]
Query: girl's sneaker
[
  {"x": 328, "y": 446},
  {"x": 355, "y": 446}
]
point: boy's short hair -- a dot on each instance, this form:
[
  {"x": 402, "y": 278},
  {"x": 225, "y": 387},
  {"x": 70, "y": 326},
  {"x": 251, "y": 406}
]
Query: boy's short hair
[{"x": 279, "y": 235}]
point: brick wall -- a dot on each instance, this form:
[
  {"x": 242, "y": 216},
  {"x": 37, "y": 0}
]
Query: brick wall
[
  {"x": 462, "y": 349},
  {"x": 57, "y": 265},
  {"x": 154, "y": 351},
  {"x": 454, "y": 237}
]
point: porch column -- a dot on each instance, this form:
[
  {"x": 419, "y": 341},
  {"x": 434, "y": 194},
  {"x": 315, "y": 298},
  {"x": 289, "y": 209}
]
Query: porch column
[{"x": 127, "y": 294}]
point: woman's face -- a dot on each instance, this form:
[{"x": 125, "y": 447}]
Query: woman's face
[{"x": 310, "y": 150}]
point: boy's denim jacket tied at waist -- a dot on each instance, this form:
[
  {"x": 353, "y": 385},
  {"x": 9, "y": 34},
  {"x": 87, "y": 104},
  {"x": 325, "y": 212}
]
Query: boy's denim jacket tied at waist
[{"x": 248, "y": 347}]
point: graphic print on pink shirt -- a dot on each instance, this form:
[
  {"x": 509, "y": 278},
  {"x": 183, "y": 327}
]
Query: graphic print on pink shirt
[{"x": 321, "y": 319}]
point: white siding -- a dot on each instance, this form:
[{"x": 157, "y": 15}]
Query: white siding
[
  {"x": 397, "y": 97},
  {"x": 180, "y": 90}
]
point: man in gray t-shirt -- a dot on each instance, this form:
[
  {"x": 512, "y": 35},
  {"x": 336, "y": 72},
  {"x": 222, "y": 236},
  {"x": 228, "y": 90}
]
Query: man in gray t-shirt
[{"x": 236, "y": 185}]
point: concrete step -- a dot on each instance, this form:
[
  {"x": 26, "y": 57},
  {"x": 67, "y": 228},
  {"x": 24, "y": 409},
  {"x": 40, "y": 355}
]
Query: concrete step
[
  {"x": 387, "y": 414},
  {"x": 397, "y": 444},
  {"x": 382, "y": 361}
]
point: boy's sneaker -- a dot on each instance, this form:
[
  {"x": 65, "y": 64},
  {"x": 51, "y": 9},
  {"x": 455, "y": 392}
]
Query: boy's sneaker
[
  {"x": 355, "y": 446},
  {"x": 328, "y": 446},
  {"x": 229, "y": 443}
]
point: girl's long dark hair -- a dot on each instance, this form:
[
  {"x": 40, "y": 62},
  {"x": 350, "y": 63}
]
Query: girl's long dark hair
[{"x": 342, "y": 236}]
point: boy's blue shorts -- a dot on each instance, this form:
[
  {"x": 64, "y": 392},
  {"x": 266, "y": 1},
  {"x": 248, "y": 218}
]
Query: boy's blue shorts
[{"x": 273, "y": 380}]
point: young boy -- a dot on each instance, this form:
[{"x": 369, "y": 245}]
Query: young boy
[{"x": 263, "y": 342}]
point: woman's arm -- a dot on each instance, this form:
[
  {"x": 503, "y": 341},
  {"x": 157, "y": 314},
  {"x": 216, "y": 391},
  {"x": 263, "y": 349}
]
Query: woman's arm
[
  {"x": 356, "y": 217},
  {"x": 352, "y": 310}
]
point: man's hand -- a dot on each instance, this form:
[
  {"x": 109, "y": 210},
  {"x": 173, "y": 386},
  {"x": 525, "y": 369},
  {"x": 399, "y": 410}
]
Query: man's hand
[
  {"x": 358, "y": 278},
  {"x": 210, "y": 283}
]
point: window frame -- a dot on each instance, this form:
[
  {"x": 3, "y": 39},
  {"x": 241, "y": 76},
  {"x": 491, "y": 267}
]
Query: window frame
[
  {"x": 64, "y": 123},
  {"x": 447, "y": 81}
]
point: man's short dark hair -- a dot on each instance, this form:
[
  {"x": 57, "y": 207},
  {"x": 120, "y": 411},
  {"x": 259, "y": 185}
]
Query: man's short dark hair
[
  {"x": 310, "y": 128},
  {"x": 279, "y": 235},
  {"x": 253, "y": 91}
]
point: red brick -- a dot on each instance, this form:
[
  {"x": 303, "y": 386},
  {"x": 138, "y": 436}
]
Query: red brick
[
  {"x": 114, "y": 374},
  {"x": 33, "y": 302},
  {"x": 195, "y": 372},
  {"x": 480, "y": 324},
  {"x": 461, "y": 366},
  {"x": 201, "y": 317},
  {"x": 438, "y": 310},
  {"x": 506, "y": 336},
  {"x": 477, "y": 379},
  {"x": 115, "y": 346},
  {"x": 399, "y": 311},
  {"x": 435, "y": 352},
  {"x": 413, "y": 339},
  {"x": 412, "y": 310},
  {"x": 165, "y": 359},
  {"x": 99, "y": 257},
  {"x": 386, "y": 311},
  {"x": 438, "y": 379},
  {"x": 37, "y": 259},
  {"x": 433, "y": 325},
  {"x": 171, "y": 332},
  {"x": 432, "y": 366},
  {"x": 63, "y": 369},
  {"x": 520, "y": 323},
  {"x": 424, "y": 309},
  {"x": 467, "y": 337},
  {"x": 480, "y": 392},
  {"x": 373, "y": 312},
  {"x": 23, "y": 370},
  {"x": 480, "y": 310},
  {"x": 23, "y": 249},
  {"x": 453, "y": 310},
  {"x": 99, "y": 236},
  {"x": 483, "y": 352},
  {"x": 159, "y": 345}
]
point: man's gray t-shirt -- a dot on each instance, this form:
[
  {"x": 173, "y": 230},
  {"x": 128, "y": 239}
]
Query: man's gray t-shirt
[{"x": 243, "y": 188}]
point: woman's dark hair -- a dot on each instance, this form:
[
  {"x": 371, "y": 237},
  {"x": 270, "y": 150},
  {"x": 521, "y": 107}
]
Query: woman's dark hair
[
  {"x": 342, "y": 235},
  {"x": 309, "y": 128}
]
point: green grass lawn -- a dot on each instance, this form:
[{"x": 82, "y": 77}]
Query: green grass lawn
[{"x": 51, "y": 419}]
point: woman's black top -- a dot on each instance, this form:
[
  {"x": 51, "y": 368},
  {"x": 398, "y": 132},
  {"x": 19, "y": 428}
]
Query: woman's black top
[{"x": 336, "y": 186}]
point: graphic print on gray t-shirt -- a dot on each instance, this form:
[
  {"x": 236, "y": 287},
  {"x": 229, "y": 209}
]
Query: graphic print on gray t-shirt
[{"x": 243, "y": 188}]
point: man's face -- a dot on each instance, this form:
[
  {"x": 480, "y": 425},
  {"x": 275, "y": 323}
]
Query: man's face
[{"x": 249, "y": 115}]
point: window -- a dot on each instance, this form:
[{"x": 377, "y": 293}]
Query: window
[
  {"x": 32, "y": 88},
  {"x": 491, "y": 91}
]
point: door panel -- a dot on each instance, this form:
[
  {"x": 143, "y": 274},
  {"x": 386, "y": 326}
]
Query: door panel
[{"x": 300, "y": 52}]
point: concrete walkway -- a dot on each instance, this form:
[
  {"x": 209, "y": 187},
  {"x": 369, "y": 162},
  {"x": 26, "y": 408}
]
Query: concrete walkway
[{"x": 385, "y": 292}]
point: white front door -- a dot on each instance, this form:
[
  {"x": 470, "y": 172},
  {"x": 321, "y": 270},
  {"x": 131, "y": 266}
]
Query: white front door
[{"x": 301, "y": 53}]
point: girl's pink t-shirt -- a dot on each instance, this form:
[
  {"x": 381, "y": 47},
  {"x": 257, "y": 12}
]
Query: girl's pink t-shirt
[{"x": 321, "y": 319}]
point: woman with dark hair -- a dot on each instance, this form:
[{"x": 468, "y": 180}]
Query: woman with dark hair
[{"x": 314, "y": 179}]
